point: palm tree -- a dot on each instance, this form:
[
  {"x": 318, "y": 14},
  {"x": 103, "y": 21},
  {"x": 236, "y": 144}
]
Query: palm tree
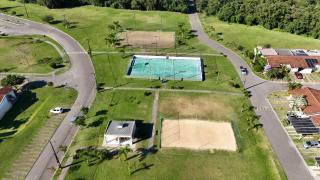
[
  {"x": 123, "y": 153},
  {"x": 298, "y": 103}
]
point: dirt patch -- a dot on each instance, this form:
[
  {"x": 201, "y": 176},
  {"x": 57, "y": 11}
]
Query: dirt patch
[
  {"x": 200, "y": 107},
  {"x": 196, "y": 134},
  {"x": 147, "y": 40}
]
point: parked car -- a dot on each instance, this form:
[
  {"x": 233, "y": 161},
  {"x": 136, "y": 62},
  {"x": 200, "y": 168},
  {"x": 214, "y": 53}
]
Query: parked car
[
  {"x": 298, "y": 75},
  {"x": 311, "y": 144},
  {"x": 243, "y": 70},
  {"x": 57, "y": 110}
]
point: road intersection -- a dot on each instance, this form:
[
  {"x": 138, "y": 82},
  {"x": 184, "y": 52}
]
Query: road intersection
[{"x": 81, "y": 77}]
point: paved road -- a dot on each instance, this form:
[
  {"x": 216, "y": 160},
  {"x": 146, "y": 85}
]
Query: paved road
[
  {"x": 81, "y": 77},
  {"x": 289, "y": 157}
]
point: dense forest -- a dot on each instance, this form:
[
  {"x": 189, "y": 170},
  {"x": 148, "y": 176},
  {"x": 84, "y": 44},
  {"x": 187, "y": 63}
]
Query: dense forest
[
  {"x": 294, "y": 16},
  {"x": 168, "y": 5}
]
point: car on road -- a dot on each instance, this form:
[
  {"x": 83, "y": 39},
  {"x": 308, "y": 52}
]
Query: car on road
[
  {"x": 243, "y": 70},
  {"x": 57, "y": 110},
  {"x": 298, "y": 75},
  {"x": 311, "y": 144}
]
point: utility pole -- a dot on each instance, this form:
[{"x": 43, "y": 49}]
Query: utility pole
[
  {"x": 25, "y": 8},
  {"x": 55, "y": 155}
]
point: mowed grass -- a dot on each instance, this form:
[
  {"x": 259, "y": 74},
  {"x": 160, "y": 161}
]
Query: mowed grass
[
  {"x": 253, "y": 161},
  {"x": 23, "y": 121},
  {"x": 23, "y": 54},
  {"x": 89, "y": 22},
  {"x": 251, "y": 36},
  {"x": 212, "y": 107},
  {"x": 113, "y": 105},
  {"x": 111, "y": 71}
]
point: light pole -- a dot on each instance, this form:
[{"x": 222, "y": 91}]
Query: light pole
[
  {"x": 25, "y": 8},
  {"x": 55, "y": 155}
]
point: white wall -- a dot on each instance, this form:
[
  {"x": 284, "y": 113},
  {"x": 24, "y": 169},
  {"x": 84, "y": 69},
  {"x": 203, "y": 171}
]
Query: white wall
[{"x": 5, "y": 106}]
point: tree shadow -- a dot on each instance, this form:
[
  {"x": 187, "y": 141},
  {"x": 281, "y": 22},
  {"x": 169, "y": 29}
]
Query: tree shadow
[
  {"x": 101, "y": 112},
  {"x": 96, "y": 123},
  {"x": 55, "y": 22},
  {"x": 34, "y": 85}
]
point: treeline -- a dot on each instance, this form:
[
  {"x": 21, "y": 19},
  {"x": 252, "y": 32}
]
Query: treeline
[
  {"x": 299, "y": 17},
  {"x": 165, "y": 5}
]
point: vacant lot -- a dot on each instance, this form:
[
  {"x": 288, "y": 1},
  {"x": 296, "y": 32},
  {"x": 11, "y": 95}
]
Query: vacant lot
[
  {"x": 23, "y": 123},
  {"x": 197, "y": 134},
  {"x": 147, "y": 39},
  {"x": 251, "y": 36},
  {"x": 26, "y": 55}
]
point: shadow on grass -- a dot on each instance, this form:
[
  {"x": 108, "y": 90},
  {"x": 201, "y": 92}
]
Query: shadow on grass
[
  {"x": 10, "y": 121},
  {"x": 6, "y": 9},
  {"x": 143, "y": 130}
]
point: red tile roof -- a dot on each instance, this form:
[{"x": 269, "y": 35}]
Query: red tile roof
[
  {"x": 4, "y": 91},
  {"x": 294, "y": 61},
  {"x": 312, "y": 97},
  {"x": 316, "y": 120}
]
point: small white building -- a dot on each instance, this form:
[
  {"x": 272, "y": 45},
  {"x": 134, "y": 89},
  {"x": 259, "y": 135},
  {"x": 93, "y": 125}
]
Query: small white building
[
  {"x": 7, "y": 98},
  {"x": 119, "y": 133}
]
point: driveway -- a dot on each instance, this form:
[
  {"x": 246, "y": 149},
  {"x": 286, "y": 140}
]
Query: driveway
[
  {"x": 290, "y": 159},
  {"x": 80, "y": 76}
]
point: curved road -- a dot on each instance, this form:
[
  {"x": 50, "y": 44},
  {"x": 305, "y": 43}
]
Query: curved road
[
  {"x": 290, "y": 159},
  {"x": 80, "y": 76}
]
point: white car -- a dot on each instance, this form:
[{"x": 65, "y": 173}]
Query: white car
[{"x": 57, "y": 110}]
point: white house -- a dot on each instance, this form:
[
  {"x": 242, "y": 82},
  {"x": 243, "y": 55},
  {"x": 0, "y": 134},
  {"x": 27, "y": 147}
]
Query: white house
[
  {"x": 119, "y": 133},
  {"x": 7, "y": 98}
]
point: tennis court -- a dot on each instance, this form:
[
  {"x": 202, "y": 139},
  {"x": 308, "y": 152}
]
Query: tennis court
[{"x": 166, "y": 67}]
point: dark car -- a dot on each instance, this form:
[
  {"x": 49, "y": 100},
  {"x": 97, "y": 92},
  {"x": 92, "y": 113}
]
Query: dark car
[
  {"x": 243, "y": 70},
  {"x": 298, "y": 75}
]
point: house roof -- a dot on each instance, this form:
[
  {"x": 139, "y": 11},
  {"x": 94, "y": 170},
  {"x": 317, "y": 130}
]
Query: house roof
[
  {"x": 312, "y": 97},
  {"x": 268, "y": 52},
  {"x": 284, "y": 52},
  {"x": 4, "y": 91},
  {"x": 293, "y": 61},
  {"x": 120, "y": 128}
]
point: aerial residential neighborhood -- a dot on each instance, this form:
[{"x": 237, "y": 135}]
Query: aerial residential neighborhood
[{"x": 176, "y": 89}]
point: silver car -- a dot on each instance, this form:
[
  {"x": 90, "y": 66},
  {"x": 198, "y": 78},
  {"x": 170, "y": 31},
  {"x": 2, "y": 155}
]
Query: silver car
[{"x": 311, "y": 144}]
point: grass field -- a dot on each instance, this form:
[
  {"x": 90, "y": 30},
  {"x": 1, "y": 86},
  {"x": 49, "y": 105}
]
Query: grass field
[
  {"x": 254, "y": 159},
  {"x": 22, "y": 123},
  {"x": 251, "y": 36},
  {"x": 23, "y": 54}
]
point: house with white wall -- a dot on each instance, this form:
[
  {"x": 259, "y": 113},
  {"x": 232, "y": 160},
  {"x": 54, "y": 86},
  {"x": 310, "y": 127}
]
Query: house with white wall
[
  {"x": 7, "y": 98},
  {"x": 119, "y": 133}
]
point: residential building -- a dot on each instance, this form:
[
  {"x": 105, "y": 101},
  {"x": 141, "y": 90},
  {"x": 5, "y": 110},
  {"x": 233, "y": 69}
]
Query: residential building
[
  {"x": 119, "y": 133},
  {"x": 7, "y": 98}
]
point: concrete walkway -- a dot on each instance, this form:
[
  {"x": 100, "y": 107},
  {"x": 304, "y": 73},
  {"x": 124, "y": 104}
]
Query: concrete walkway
[{"x": 154, "y": 116}]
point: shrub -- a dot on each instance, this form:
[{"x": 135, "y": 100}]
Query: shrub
[
  {"x": 13, "y": 13},
  {"x": 267, "y": 45},
  {"x": 147, "y": 93},
  {"x": 240, "y": 48},
  {"x": 57, "y": 63},
  {"x": 12, "y": 80},
  {"x": 294, "y": 85},
  {"x": 47, "y": 18},
  {"x": 50, "y": 83},
  {"x": 80, "y": 121},
  {"x": 85, "y": 110}
]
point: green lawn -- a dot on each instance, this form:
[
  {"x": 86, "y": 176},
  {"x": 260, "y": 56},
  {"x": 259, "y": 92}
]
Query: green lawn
[
  {"x": 113, "y": 105},
  {"x": 22, "y": 123},
  {"x": 24, "y": 54},
  {"x": 111, "y": 71},
  {"x": 253, "y": 161},
  {"x": 251, "y": 36},
  {"x": 89, "y": 22}
]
